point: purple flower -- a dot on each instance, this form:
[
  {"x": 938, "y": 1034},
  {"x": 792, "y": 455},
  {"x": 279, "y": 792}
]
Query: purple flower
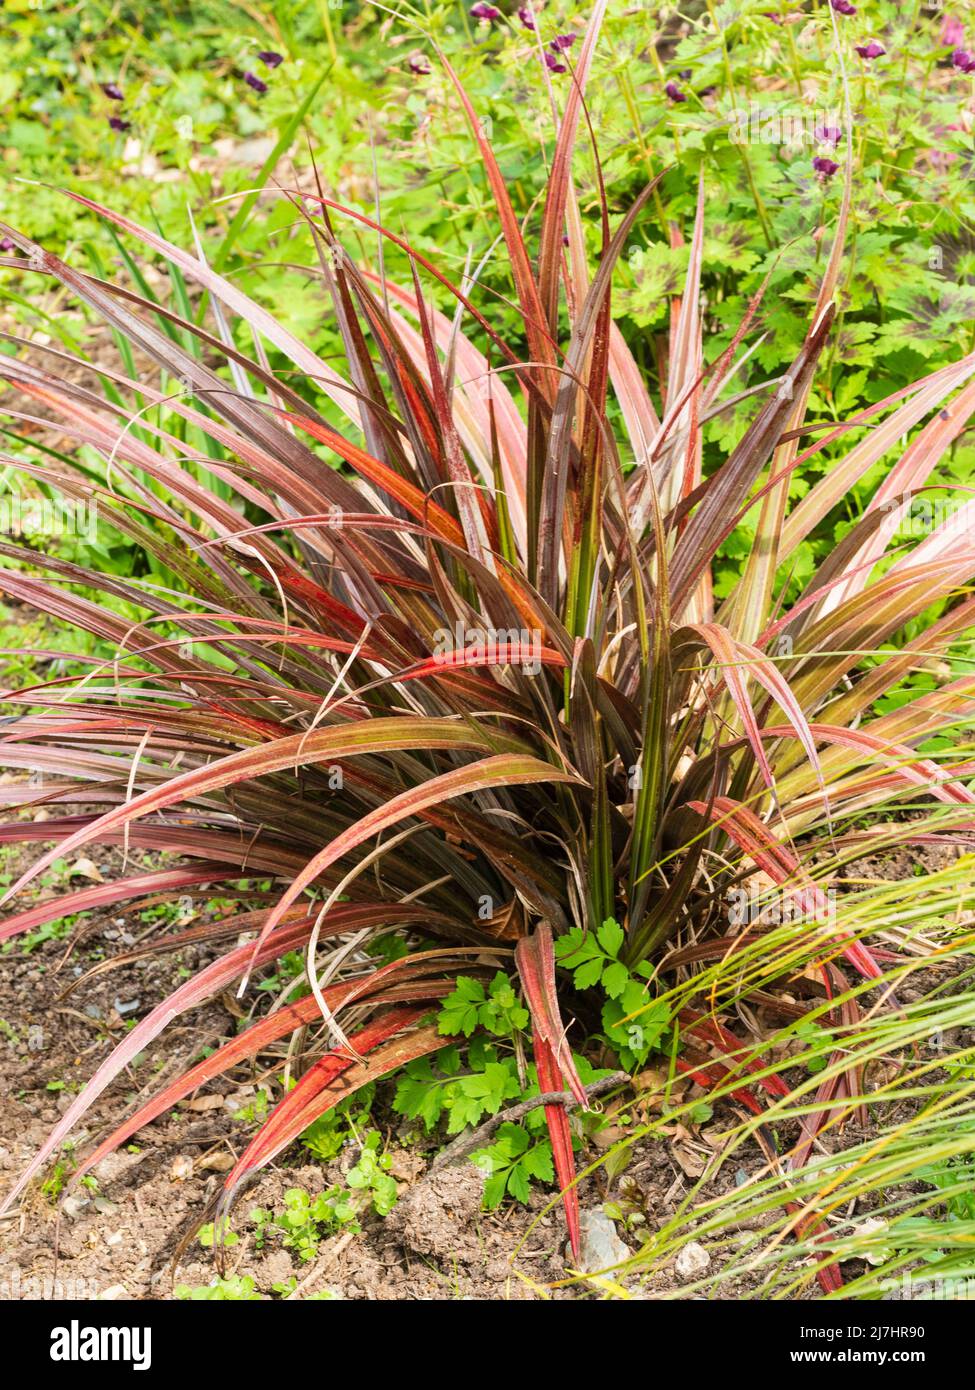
[
  {"x": 843, "y": 6},
  {"x": 418, "y": 64},
  {"x": 484, "y": 11},
  {"x": 674, "y": 92},
  {"x": 554, "y": 63},
  {"x": 269, "y": 59},
  {"x": 824, "y": 166},
  {"x": 113, "y": 91},
  {"x": 963, "y": 60},
  {"x": 873, "y": 49},
  {"x": 525, "y": 15},
  {"x": 562, "y": 42},
  {"x": 952, "y": 32},
  {"x": 828, "y": 135},
  {"x": 6, "y": 245},
  {"x": 117, "y": 123},
  {"x": 253, "y": 81}
]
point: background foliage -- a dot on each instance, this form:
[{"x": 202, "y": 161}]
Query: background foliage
[{"x": 199, "y": 137}]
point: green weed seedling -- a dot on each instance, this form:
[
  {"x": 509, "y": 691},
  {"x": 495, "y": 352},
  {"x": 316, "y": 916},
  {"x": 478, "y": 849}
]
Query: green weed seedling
[{"x": 239, "y": 1288}]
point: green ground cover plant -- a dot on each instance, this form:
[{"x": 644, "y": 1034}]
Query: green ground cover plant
[{"x": 749, "y": 96}]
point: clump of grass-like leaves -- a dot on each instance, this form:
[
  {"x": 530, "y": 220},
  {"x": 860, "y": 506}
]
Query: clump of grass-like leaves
[{"x": 428, "y": 641}]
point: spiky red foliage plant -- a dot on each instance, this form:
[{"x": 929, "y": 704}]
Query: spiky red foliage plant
[{"x": 473, "y": 578}]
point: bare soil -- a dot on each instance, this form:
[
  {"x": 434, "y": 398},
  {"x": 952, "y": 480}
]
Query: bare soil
[
  {"x": 124, "y": 1241},
  {"x": 121, "y": 1241}
]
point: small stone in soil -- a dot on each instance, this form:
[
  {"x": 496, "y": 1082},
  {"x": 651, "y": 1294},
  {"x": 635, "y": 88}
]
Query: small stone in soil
[
  {"x": 692, "y": 1261},
  {"x": 601, "y": 1247}
]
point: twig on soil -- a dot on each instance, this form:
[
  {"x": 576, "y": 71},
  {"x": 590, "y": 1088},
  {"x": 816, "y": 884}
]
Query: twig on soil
[
  {"x": 321, "y": 1265},
  {"x": 475, "y": 1139}
]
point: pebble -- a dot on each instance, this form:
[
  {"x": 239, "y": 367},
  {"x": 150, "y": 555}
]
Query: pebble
[
  {"x": 601, "y": 1247},
  {"x": 111, "y": 1166},
  {"x": 692, "y": 1261},
  {"x": 217, "y": 1163}
]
